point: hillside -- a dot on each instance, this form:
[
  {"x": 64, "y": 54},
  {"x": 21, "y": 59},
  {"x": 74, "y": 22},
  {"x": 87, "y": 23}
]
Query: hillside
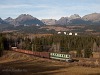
[
  {"x": 49, "y": 21},
  {"x": 13, "y": 63},
  {"x": 94, "y": 17},
  {"x": 28, "y": 24},
  {"x": 24, "y": 19}
]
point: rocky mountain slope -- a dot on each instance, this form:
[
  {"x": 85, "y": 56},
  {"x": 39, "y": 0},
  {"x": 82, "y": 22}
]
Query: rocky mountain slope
[
  {"x": 2, "y": 22},
  {"x": 62, "y": 21},
  {"x": 95, "y": 17},
  {"x": 73, "y": 20},
  {"x": 24, "y": 19},
  {"x": 49, "y": 21},
  {"x": 9, "y": 20}
]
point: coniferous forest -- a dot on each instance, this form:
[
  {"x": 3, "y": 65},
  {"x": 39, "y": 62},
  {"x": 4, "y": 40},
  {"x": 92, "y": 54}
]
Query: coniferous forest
[
  {"x": 47, "y": 43},
  {"x": 1, "y": 45}
]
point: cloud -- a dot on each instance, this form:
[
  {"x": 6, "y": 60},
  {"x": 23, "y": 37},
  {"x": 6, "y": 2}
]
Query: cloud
[
  {"x": 25, "y": 6},
  {"x": 48, "y": 8},
  {"x": 41, "y": 6},
  {"x": 14, "y": 6}
]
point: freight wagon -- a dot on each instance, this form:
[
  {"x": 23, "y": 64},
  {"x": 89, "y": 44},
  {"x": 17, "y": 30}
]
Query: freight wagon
[{"x": 49, "y": 55}]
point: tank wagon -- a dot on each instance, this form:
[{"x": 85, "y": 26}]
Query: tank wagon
[{"x": 49, "y": 55}]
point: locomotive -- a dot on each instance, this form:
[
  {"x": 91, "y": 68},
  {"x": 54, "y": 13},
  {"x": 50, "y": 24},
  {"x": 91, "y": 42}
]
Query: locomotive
[{"x": 49, "y": 55}]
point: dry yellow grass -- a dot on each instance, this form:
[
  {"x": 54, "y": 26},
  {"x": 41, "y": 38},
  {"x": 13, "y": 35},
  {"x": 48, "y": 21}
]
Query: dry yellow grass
[{"x": 13, "y": 63}]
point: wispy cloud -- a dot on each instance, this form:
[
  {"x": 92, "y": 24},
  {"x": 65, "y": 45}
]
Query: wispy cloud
[
  {"x": 14, "y": 6},
  {"x": 48, "y": 8},
  {"x": 25, "y": 6},
  {"x": 41, "y": 6}
]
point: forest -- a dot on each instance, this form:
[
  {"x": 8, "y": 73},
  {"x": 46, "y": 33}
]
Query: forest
[
  {"x": 4, "y": 43},
  {"x": 52, "y": 43}
]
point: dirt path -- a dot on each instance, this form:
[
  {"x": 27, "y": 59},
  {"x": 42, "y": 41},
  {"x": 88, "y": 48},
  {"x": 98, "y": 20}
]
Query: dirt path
[{"x": 13, "y": 63}]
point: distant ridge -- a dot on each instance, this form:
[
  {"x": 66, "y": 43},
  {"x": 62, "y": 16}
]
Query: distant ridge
[
  {"x": 26, "y": 19},
  {"x": 94, "y": 17},
  {"x": 89, "y": 19},
  {"x": 2, "y": 21},
  {"x": 49, "y": 21}
]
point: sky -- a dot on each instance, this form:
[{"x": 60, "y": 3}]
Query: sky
[{"x": 48, "y": 9}]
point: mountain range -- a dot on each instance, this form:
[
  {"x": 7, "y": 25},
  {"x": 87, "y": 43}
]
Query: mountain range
[
  {"x": 75, "y": 19},
  {"x": 26, "y": 19}
]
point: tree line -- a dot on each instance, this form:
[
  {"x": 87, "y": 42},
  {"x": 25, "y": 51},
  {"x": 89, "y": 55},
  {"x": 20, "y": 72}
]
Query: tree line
[
  {"x": 3, "y": 44},
  {"x": 46, "y": 43}
]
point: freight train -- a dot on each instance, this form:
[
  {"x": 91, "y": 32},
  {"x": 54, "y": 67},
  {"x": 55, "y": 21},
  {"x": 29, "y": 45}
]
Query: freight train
[{"x": 49, "y": 55}]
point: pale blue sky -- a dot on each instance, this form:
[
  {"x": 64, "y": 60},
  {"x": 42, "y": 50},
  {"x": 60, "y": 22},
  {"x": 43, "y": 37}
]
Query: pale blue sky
[{"x": 45, "y": 9}]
